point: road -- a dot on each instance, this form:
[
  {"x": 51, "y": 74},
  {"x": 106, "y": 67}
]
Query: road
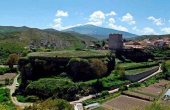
[
  {"x": 117, "y": 89},
  {"x": 13, "y": 98}
]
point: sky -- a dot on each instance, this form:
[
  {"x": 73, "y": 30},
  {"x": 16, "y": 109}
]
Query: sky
[{"x": 134, "y": 16}]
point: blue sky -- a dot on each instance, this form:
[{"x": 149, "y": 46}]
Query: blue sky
[{"x": 135, "y": 16}]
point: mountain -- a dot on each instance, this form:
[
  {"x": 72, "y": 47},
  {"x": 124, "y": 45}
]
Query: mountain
[
  {"x": 97, "y": 32},
  {"x": 37, "y": 38}
]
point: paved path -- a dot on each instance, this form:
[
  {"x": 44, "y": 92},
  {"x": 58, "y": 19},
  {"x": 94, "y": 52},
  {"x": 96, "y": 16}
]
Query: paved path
[
  {"x": 13, "y": 98},
  {"x": 116, "y": 90}
]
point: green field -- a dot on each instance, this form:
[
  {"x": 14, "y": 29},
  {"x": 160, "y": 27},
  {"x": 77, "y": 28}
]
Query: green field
[{"x": 71, "y": 54}]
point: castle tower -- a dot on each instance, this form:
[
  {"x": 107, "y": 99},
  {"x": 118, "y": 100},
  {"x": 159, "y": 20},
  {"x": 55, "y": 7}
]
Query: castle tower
[{"x": 115, "y": 41}]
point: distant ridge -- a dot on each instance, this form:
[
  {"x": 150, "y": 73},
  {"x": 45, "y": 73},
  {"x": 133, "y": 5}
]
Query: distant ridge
[
  {"x": 98, "y": 32},
  {"x": 51, "y": 38}
]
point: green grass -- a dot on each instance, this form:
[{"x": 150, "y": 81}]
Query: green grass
[
  {"x": 70, "y": 53},
  {"x": 5, "y": 100}
]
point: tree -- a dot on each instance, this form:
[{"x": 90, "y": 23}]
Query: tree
[
  {"x": 121, "y": 71},
  {"x": 100, "y": 69},
  {"x": 111, "y": 62},
  {"x": 80, "y": 69},
  {"x": 12, "y": 59}
]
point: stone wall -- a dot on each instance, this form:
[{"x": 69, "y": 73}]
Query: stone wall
[{"x": 141, "y": 75}]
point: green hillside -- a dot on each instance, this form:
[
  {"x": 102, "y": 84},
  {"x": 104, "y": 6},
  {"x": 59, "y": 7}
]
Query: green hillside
[{"x": 21, "y": 39}]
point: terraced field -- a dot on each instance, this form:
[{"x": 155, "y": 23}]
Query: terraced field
[
  {"x": 126, "y": 103},
  {"x": 137, "y": 98}
]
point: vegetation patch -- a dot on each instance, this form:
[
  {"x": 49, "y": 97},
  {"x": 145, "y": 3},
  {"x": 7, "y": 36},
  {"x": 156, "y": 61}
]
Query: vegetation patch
[{"x": 5, "y": 101}]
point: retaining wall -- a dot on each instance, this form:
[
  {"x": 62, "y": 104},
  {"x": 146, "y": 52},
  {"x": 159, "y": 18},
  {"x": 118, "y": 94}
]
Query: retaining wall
[{"x": 142, "y": 75}]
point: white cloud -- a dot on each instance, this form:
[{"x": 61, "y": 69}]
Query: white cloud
[
  {"x": 97, "y": 18},
  {"x": 114, "y": 26},
  {"x": 112, "y": 13},
  {"x": 148, "y": 31},
  {"x": 57, "y": 24},
  {"x": 61, "y": 13},
  {"x": 156, "y": 21},
  {"x": 112, "y": 20},
  {"x": 128, "y": 18},
  {"x": 166, "y": 30}
]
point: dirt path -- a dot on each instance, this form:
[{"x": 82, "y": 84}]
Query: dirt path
[{"x": 12, "y": 88}]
